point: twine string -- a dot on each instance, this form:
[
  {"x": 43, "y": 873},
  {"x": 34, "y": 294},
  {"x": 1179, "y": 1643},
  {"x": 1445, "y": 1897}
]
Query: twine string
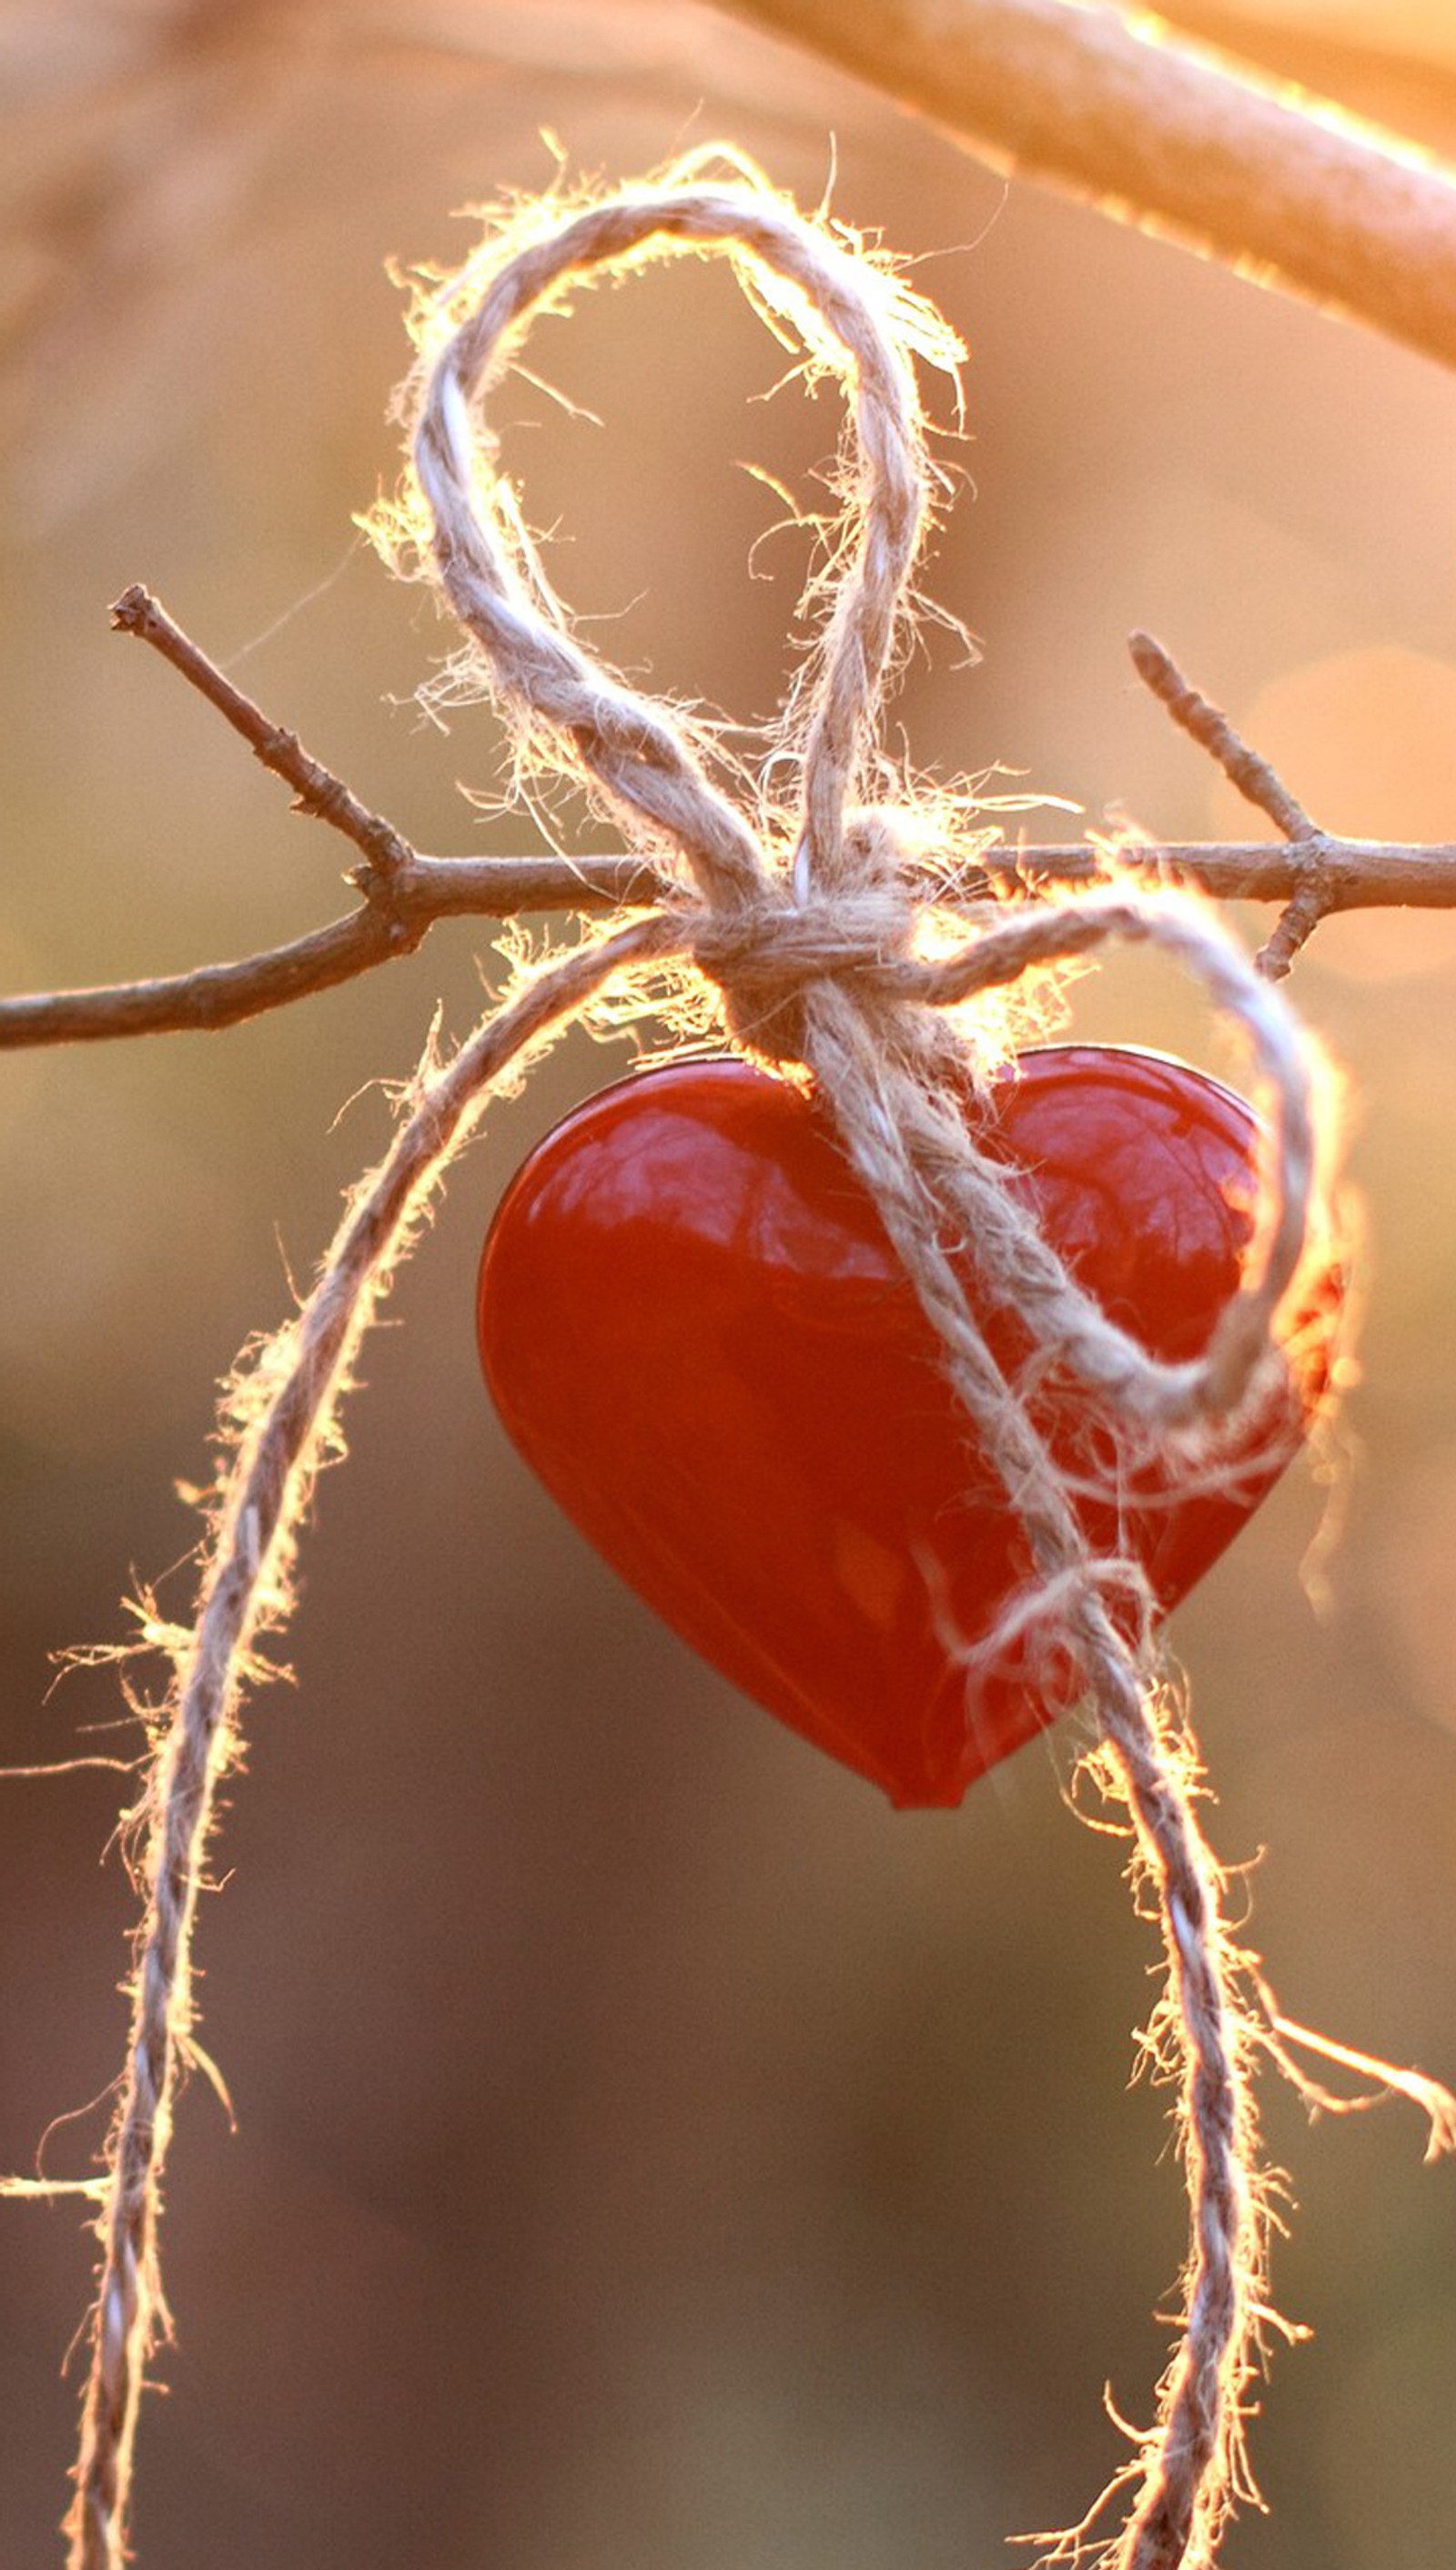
[
  {"x": 286, "y": 1424},
  {"x": 811, "y": 942}
]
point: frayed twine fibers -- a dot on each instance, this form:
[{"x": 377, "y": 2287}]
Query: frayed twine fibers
[
  {"x": 811, "y": 942},
  {"x": 805, "y": 926}
]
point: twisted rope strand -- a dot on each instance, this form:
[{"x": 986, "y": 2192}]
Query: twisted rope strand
[
  {"x": 1071, "y": 1326},
  {"x": 639, "y": 756},
  {"x": 855, "y": 1014},
  {"x": 1196, "y": 2471},
  {"x": 299, "y": 1382},
  {"x": 1192, "y": 2472}
]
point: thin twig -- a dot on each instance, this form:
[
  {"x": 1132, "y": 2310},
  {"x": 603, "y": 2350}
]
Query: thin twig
[
  {"x": 1120, "y": 112},
  {"x": 224, "y": 994},
  {"x": 1355, "y": 874},
  {"x": 1316, "y": 889},
  {"x": 317, "y": 793},
  {"x": 405, "y": 892},
  {"x": 1298, "y": 919},
  {"x": 1322, "y": 862},
  {"x": 1207, "y": 725}
]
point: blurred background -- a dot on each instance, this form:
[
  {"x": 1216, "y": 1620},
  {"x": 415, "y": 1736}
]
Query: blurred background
[{"x": 651, "y": 2150}]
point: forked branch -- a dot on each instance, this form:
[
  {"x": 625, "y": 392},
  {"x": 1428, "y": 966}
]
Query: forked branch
[{"x": 403, "y": 892}]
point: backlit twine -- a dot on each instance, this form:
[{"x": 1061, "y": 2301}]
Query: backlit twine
[
  {"x": 808, "y": 930},
  {"x": 811, "y": 947}
]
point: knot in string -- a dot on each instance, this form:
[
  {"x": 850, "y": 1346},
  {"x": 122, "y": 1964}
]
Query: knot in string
[{"x": 764, "y": 954}]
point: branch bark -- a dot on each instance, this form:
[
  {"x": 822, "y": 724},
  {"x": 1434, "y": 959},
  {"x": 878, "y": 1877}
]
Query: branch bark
[
  {"x": 1222, "y": 159},
  {"x": 1353, "y": 874},
  {"x": 403, "y": 892}
]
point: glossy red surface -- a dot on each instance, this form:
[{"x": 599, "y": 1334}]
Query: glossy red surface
[{"x": 697, "y": 1333}]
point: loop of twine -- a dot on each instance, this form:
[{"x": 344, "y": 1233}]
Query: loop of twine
[{"x": 813, "y": 936}]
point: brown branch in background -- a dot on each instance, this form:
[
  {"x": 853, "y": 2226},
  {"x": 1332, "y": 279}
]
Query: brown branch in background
[
  {"x": 1221, "y": 157},
  {"x": 1379, "y": 63}
]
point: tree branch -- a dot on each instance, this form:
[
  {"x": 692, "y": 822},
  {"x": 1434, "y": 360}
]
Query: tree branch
[
  {"x": 1353, "y": 874},
  {"x": 404, "y": 892},
  {"x": 1153, "y": 129}
]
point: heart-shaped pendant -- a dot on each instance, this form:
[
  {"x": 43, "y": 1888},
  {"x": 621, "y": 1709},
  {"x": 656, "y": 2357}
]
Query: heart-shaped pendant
[{"x": 698, "y": 1334}]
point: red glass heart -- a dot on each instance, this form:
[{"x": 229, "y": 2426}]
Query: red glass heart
[{"x": 698, "y": 1334}]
